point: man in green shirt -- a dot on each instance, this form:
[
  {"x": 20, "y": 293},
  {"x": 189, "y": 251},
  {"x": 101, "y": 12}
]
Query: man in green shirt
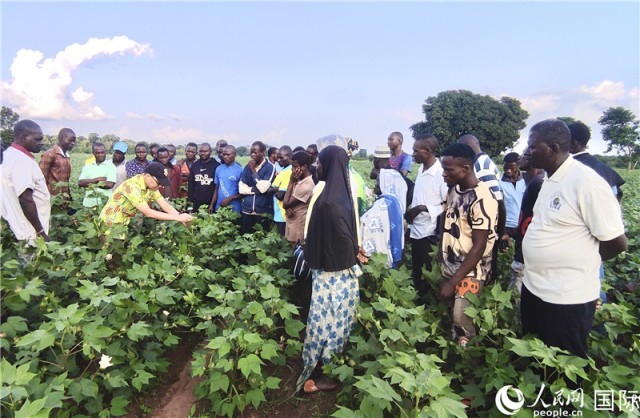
[{"x": 98, "y": 178}]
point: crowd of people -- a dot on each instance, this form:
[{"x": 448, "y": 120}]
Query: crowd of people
[{"x": 557, "y": 204}]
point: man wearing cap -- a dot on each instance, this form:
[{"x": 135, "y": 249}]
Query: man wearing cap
[
  {"x": 136, "y": 193},
  {"x": 119, "y": 150},
  {"x": 26, "y": 203},
  {"x": 98, "y": 178}
]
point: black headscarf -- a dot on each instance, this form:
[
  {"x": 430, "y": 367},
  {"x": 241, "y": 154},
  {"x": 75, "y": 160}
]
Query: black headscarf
[{"x": 332, "y": 240}]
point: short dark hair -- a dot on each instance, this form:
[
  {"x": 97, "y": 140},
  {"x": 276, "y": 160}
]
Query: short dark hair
[
  {"x": 24, "y": 127},
  {"x": 141, "y": 144},
  {"x": 260, "y": 145},
  {"x": 97, "y": 144},
  {"x": 297, "y": 149},
  {"x": 154, "y": 145},
  {"x": 511, "y": 158},
  {"x": 286, "y": 149},
  {"x": 429, "y": 141},
  {"x": 313, "y": 147},
  {"x": 580, "y": 133},
  {"x": 459, "y": 150},
  {"x": 302, "y": 158},
  {"x": 272, "y": 150},
  {"x": 192, "y": 144},
  {"x": 162, "y": 149},
  {"x": 553, "y": 131}
]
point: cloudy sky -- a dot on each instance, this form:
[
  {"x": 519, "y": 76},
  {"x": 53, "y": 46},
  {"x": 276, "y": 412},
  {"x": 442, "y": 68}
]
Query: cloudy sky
[{"x": 291, "y": 72}]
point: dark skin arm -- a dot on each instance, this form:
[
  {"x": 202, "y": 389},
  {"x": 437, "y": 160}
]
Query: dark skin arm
[
  {"x": 105, "y": 184},
  {"x": 289, "y": 201},
  {"x": 214, "y": 199},
  {"x": 413, "y": 212},
  {"x": 611, "y": 248},
  {"x": 479, "y": 240},
  {"x": 30, "y": 211}
]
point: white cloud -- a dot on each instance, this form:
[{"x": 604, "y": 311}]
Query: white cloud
[
  {"x": 133, "y": 115},
  {"x": 175, "y": 116},
  {"x": 606, "y": 90},
  {"x": 154, "y": 116},
  {"x": 40, "y": 87},
  {"x": 585, "y": 103}
]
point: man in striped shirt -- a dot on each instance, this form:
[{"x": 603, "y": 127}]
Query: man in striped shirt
[{"x": 487, "y": 172}]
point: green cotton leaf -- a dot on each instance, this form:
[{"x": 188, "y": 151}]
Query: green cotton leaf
[
  {"x": 272, "y": 382},
  {"x": 256, "y": 397},
  {"x": 23, "y": 376},
  {"x": 33, "y": 409},
  {"x": 378, "y": 388},
  {"x": 89, "y": 388},
  {"x": 116, "y": 379},
  {"x": 269, "y": 350},
  {"x": 520, "y": 347},
  {"x": 7, "y": 372},
  {"x": 250, "y": 364},
  {"x": 216, "y": 343},
  {"x": 141, "y": 378},
  {"x": 447, "y": 407},
  {"x": 252, "y": 338},
  {"x": 14, "y": 325},
  {"x": 293, "y": 327},
  {"x": 40, "y": 338},
  {"x": 118, "y": 406},
  {"x": 165, "y": 295},
  {"x": 344, "y": 373},
  {"x": 137, "y": 330},
  {"x": 344, "y": 412},
  {"x": 269, "y": 292}
]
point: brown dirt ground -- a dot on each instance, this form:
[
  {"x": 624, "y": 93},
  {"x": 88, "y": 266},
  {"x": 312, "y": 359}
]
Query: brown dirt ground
[{"x": 174, "y": 398}]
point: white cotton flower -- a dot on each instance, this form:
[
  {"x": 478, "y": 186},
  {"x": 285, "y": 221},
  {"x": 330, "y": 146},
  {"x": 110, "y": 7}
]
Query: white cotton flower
[
  {"x": 165, "y": 313},
  {"x": 109, "y": 257},
  {"x": 105, "y": 361}
]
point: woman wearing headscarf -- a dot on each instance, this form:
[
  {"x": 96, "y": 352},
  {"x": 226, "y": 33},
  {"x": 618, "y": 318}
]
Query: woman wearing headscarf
[{"x": 332, "y": 252}]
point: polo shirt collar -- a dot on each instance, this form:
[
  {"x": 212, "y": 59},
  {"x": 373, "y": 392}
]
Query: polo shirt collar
[
  {"x": 431, "y": 170},
  {"x": 23, "y": 150},
  {"x": 562, "y": 170}
]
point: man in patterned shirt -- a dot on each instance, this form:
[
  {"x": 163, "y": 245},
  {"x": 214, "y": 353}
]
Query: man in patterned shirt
[
  {"x": 138, "y": 164},
  {"x": 135, "y": 195},
  {"x": 468, "y": 235}
]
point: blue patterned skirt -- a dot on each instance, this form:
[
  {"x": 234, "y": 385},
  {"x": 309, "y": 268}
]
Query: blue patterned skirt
[{"x": 331, "y": 317}]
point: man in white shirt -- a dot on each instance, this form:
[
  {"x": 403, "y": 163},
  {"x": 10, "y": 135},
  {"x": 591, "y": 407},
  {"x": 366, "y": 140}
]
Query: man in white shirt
[
  {"x": 429, "y": 193},
  {"x": 26, "y": 202},
  {"x": 576, "y": 223}
]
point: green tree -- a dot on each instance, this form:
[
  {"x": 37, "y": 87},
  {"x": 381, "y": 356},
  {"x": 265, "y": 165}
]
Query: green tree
[
  {"x": 451, "y": 114},
  {"x": 621, "y": 131},
  {"x": 242, "y": 151},
  {"x": 9, "y": 120}
]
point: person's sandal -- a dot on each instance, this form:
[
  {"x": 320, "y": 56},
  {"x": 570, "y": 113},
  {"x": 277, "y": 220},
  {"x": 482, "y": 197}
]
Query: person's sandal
[{"x": 319, "y": 384}]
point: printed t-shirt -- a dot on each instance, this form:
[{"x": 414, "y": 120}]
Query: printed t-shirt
[
  {"x": 475, "y": 208},
  {"x": 123, "y": 203},
  {"x": 487, "y": 172},
  {"x": 227, "y": 178}
]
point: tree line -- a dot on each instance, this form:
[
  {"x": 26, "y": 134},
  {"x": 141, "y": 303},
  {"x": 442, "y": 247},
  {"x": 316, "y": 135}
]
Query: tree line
[{"x": 448, "y": 115}]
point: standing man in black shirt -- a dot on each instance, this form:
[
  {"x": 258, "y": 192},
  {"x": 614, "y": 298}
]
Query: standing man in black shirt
[{"x": 201, "y": 177}]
